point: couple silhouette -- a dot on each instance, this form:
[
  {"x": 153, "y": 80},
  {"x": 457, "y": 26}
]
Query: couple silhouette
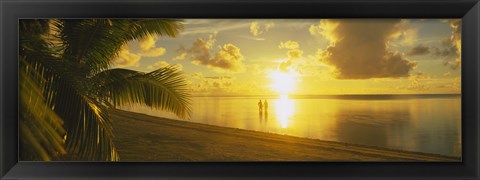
[{"x": 262, "y": 105}]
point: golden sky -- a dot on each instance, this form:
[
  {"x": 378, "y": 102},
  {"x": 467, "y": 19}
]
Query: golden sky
[{"x": 308, "y": 56}]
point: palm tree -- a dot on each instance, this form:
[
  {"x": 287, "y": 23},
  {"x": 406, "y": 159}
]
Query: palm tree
[{"x": 67, "y": 85}]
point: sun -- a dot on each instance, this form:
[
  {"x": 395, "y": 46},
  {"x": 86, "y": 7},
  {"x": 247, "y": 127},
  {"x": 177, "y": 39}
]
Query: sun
[{"x": 283, "y": 82}]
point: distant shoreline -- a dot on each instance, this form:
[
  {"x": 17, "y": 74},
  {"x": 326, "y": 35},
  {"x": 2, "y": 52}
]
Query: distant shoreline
[
  {"x": 141, "y": 137},
  {"x": 345, "y": 96}
]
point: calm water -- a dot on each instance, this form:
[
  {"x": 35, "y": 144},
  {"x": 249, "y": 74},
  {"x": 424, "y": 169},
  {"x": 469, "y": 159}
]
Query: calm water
[{"x": 423, "y": 123}]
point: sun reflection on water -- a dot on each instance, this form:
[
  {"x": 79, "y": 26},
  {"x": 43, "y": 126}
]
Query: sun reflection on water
[{"x": 284, "y": 109}]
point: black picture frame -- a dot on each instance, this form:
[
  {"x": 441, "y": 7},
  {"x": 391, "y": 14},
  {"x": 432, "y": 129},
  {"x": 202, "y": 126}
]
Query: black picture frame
[{"x": 467, "y": 10}]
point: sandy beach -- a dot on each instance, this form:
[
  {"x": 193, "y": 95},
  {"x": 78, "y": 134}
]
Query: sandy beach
[{"x": 140, "y": 137}]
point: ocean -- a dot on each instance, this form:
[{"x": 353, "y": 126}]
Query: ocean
[{"x": 420, "y": 123}]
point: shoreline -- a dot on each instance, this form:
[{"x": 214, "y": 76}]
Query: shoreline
[{"x": 141, "y": 137}]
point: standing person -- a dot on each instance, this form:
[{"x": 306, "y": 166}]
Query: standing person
[
  {"x": 260, "y": 105},
  {"x": 265, "y": 105}
]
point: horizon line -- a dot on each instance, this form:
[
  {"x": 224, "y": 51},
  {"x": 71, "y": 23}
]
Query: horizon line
[{"x": 275, "y": 95}]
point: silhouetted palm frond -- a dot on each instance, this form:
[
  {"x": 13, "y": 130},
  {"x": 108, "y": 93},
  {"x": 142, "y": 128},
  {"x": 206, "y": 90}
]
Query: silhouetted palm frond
[
  {"x": 164, "y": 89},
  {"x": 66, "y": 87}
]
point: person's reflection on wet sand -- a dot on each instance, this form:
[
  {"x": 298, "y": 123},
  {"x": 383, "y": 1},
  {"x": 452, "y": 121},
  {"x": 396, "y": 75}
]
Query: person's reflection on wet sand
[
  {"x": 266, "y": 117},
  {"x": 260, "y": 116}
]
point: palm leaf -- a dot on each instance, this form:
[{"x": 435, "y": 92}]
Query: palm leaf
[
  {"x": 41, "y": 129},
  {"x": 164, "y": 89},
  {"x": 64, "y": 95},
  {"x": 148, "y": 27},
  {"x": 94, "y": 43},
  {"x": 90, "y": 136},
  {"x": 90, "y": 44}
]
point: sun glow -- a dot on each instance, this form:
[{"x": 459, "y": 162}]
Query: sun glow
[
  {"x": 285, "y": 108},
  {"x": 283, "y": 82}
]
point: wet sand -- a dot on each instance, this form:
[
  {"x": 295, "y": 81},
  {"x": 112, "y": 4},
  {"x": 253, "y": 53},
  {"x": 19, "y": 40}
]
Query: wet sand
[{"x": 140, "y": 137}]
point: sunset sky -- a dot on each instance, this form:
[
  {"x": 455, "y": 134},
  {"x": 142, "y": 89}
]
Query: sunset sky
[{"x": 307, "y": 56}]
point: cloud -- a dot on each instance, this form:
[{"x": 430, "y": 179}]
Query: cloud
[
  {"x": 456, "y": 37},
  {"x": 416, "y": 82},
  {"x": 253, "y": 38},
  {"x": 325, "y": 29},
  {"x": 228, "y": 57},
  {"x": 197, "y": 75},
  {"x": 147, "y": 47},
  {"x": 284, "y": 66},
  {"x": 293, "y": 49},
  {"x": 269, "y": 25},
  {"x": 257, "y": 29},
  {"x": 451, "y": 47},
  {"x": 154, "y": 52},
  {"x": 359, "y": 48},
  {"x": 309, "y": 66},
  {"x": 289, "y": 45},
  {"x": 455, "y": 42},
  {"x": 254, "y": 28},
  {"x": 226, "y": 85},
  {"x": 406, "y": 34},
  {"x": 218, "y": 77},
  {"x": 181, "y": 57},
  {"x": 419, "y": 50},
  {"x": 453, "y": 64},
  {"x": 211, "y": 84},
  {"x": 208, "y": 26},
  {"x": 146, "y": 43},
  {"x": 258, "y": 69},
  {"x": 448, "y": 50},
  {"x": 159, "y": 64},
  {"x": 456, "y": 64},
  {"x": 162, "y": 64},
  {"x": 126, "y": 58},
  {"x": 293, "y": 53}
]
